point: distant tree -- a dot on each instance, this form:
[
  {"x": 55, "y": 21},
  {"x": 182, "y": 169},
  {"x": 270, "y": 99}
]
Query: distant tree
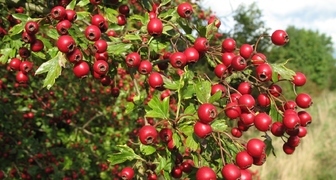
[{"x": 309, "y": 52}]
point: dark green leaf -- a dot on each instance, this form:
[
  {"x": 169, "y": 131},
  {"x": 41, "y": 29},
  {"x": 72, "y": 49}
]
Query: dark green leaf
[
  {"x": 52, "y": 33},
  {"x": 16, "y": 29},
  {"x": 4, "y": 58},
  {"x": 190, "y": 37},
  {"x": 188, "y": 91},
  {"x": 185, "y": 26},
  {"x": 146, "y": 4},
  {"x": 274, "y": 113},
  {"x": 192, "y": 143},
  {"x": 83, "y": 3},
  {"x": 158, "y": 108},
  {"x": 125, "y": 154},
  {"x": 269, "y": 145},
  {"x": 215, "y": 97},
  {"x": 137, "y": 17},
  {"x": 156, "y": 45},
  {"x": 21, "y": 17},
  {"x": 82, "y": 15},
  {"x": 170, "y": 84},
  {"x": 71, "y": 5},
  {"x": 167, "y": 175},
  {"x": 166, "y": 28},
  {"x": 203, "y": 90},
  {"x": 167, "y": 14},
  {"x": 177, "y": 140},
  {"x": 147, "y": 149},
  {"x": 132, "y": 37},
  {"x": 284, "y": 72},
  {"x": 164, "y": 2},
  {"x": 219, "y": 125}
]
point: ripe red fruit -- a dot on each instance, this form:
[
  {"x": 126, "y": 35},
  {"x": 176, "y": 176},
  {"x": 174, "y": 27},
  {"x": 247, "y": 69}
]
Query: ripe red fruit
[
  {"x": 227, "y": 58},
  {"x": 185, "y": 10},
  {"x": 58, "y": 13},
  {"x": 92, "y": 33},
  {"x": 37, "y": 45},
  {"x": 247, "y": 118},
  {"x": 124, "y": 9},
  {"x": 231, "y": 172},
  {"x": 246, "y": 174},
  {"x": 293, "y": 141},
  {"x": 133, "y": 59},
  {"x": 27, "y": 38},
  {"x": 187, "y": 165},
  {"x": 127, "y": 173},
  {"x": 98, "y": 20},
  {"x": 246, "y": 102},
  {"x": 288, "y": 149},
  {"x": 236, "y": 132},
  {"x": 238, "y": 63},
  {"x": 279, "y": 37},
  {"x": 275, "y": 90},
  {"x": 178, "y": 60},
  {"x": 290, "y": 105},
  {"x": 26, "y": 66},
  {"x": 147, "y": 134},
  {"x": 155, "y": 27},
  {"x": 71, "y": 15},
  {"x": 121, "y": 19},
  {"x": 176, "y": 172},
  {"x": 201, "y": 44},
  {"x": 63, "y": 26},
  {"x": 305, "y": 118},
  {"x": 101, "y": 67},
  {"x": 218, "y": 87},
  {"x": 245, "y": 88},
  {"x": 206, "y": 113},
  {"x": 291, "y": 121},
  {"x": 145, "y": 67},
  {"x": 302, "y": 132},
  {"x": 228, "y": 45},
  {"x": 258, "y": 161},
  {"x": 166, "y": 134},
  {"x": 100, "y": 46},
  {"x": 263, "y": 100},
  {"x": 258, "y": 58},
  {"x": 75, "y": 56},
  {"x": 220, "y": 70},
  {"x": 255, "y": 147},
  {"x": 31, "y": 27},
  {"x": 299, "y": 79},
  {"x": 215, "y": 20},
  {"x": 155, "y": 80},
  {"x": 246, "y": 51},
  {"x": 14, "y": 64},
  {"x": 66, "y": 44},
  {"x": 202, "y": 130},
  {"x": 205, "y": 173},
  {"x": 262, "y": 122},
  {"x": 191, "y": 54},
  {"x": 264, "y": 72},
  {"x": 232, "y": 110},
  {"x": 244, "y": 160},
  {"x": 21, "y": 77},
  {"x": 81, "y": 69},
  {"x": 278, "y": 129},
  {"x": 303, "y": 100}
]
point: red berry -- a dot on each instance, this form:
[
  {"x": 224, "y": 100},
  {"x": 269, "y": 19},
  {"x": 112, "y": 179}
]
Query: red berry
[
  {"x": 305, "y": 118},
  {"x": 75, "y": 56},
  {"x": 100, "y": 46},
  {"x": 145, "y": 67},
  {"x": 124, "y": 9},
  {"x": 293, "y": 141},
  {"x": 63, "y": 26},
  {"x": 155, "y": 27},
  {"x": 246, "y": 102},
  {"x": 201, "y": 44},
  {"x": 178, "y": 60},
  {"x": 258, "y": 58},
  {"x": 66, "y": 44},
  {"x": 255, "y": 147},
  {"x": 215, "y": 20},
  {"x": 155, "y": 80},
  {"x": 227, "y": 58},
  {"x": 238, "y": 63},
  {"x": 81, "y": 69},
  {"x": 127, "y": 173},
  {"x": 280, "y": 37},
  {"x": 147, "y": 134},
  {"x": 191, "y": 54},
  {"x": 288, "y": 149},
  {"x": 262, "y": 122},
  {"x": 232, "y": 110},
  {"x": 218, "y": 87},
  {"x": 220, "y": 70},
  {"x": 205, "y": 173},
  {"x": 247, "y": 118},
  {"x": 291, "y": 121},
  {"x": 245, "y": 88},
  {"x": 31, "y": 27},
  {"x": 26, "y": 66},
  {"x": 176, "y": 172},
  {"x": 166, "y": 135},
  {"x": 263, "y": 100},
  {"x": 21, "y": 77},
  {"x": 246, "y": 51},
  {"x": 185, "y": 10},
  {"x": 303, "y": 100},
  {"x": 92, "y": 33},
  {"x": 236, "y": 132},
  {"x": 228, "y": 45},
  {"x": 231, "y": 172},
  {"x": 101, "y": 67},
  {"x": 71, "y": 15},
  {"x": 206, "y": 113},
  {"x": 299, "y": 79},
  {"x": 264, "y": 72},
  {"x": 14, "y": 64},
  {"x": 98, "y": 20},
  {"x": 58, "y": 13},
  {"x": 133, "y": 59},
  {"x": 275, "y": 90},
  {"x": 278, "y": 129},
  {"x": 202, "y": 130},
  {"x": 121, "y": 19},
  {"x": 246, "y": 174}
]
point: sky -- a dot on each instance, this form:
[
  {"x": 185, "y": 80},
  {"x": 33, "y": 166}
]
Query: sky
[{"x": 279, "y": 14}]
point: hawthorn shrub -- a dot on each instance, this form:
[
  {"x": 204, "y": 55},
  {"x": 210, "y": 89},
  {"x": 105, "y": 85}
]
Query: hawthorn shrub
[{"x": 139, "y": 90}]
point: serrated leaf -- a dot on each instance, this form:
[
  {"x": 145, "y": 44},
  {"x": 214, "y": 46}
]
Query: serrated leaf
[
  {"x": 192, "y": 143},
  {"x": 203, "y": 90},
  {"x": 82, "y": 14},
  {"x": 210, "y": 30},
  {"x": 158, "y": 108},
  {"x": 219, "y": 125},
  {"x": 215, "y": 97},
  {"x": 111, "y": 15},
  {"x": 129, "y": 107},
  {"x": 190, "y": 37},
  {"x": 118, "y": 48},
  {"x": 188, "y": 91},
  {"x": 146, "y": 4},
  {"x": 167, "y": 14},
  {"x": 177, "y": 140},
  {"x": 71, "y": 5},
  {"x": 16, "y": 29},
  {"x": 53, "y": 69},
  {"x": 132, "y": 37},
  {"x": 147, "y": 149},
  {"x": 283, "y": 71},
  {"x": 83, "y": 3},
  {"x": 5, "y": 52},
  {"x": 156, "y": 46},
  {"x": 125, "y": 154},
  {"x": 166, "y": 28},
  {"x": 52, "y": 33},
  {"x": 21, "y": 17},
  {"x": 274, "y": 113},
  {"x": 39, "y": 54},
  {"x": 67, "y": 163},
  {"x": 170, "y": 84},
  {"x": 137, "y": 17},
  {"x": 191, "y": 109},
  {"x": 167, "y": 175}
]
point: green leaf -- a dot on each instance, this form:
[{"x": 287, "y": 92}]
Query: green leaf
[
  {"x": 146, "y": 4},
  {"x": 67, "y": 163},
  {"x": 170, "y": 84},
  {"x": 274, "y": 113},
  {"x": 83, "y": 3},
  {"x": 203, "y": 90},
  {"x": 54, "y": 69},
  {"x": 147, "y": 149},
  {"x": 283, "y": 71},
  {"x": 21, "y": 17},
  {"x": 269, "y": 145},
  {"x": 164, "y": 2},
  {"x": 192, "y": 143},
  {"x": 5, "y": 52},
  {"x": 82, "y": 14},
  {"x": 158, "y": 108},
  {"x": 167, "y": 175},
  {"x": 111, "y": 15},
  {"x": 183, "y": 23},
  {"x": 119, "y": 48},
  {"x": 16, "y": 29},
  {"x": 167, "y": 14},
  {"x": 52, "y": 33},
  {"x": 124, "y": 153},
  {"x": 188, "y": 91},
  {"x": 166, "y": 28},
  {"x": 215, "y": 97},
  {"x": 71, "y": 5},
  {"x": 132, "y": 37},
  {"x": 177, "y": 140},
  {"x": 190, "y": 37},
  {"x": 137, "y": 17},
  {"x": 156, "y": 45},
  {"x": 219, "y": 125},
  {"x": 191, "y": 109}
]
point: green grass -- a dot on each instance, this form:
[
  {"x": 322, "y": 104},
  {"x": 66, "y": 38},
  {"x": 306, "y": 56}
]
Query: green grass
[{"x": 315, "y": 158}]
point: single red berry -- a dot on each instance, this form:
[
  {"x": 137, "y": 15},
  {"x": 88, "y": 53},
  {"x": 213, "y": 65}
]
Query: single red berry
[
  {"x": 228, "y": 45},
  {"x": 302, "y": 132},
  {"x": 246, "y": 174},
  {"x": 191, "y": 54},
  {"x": 288, "y": 149},
  {"x": 147, "y": 134},
  {"x": 262, "y": 122},
  {"x": 21, "y": 77},
  {"x": 246, "y": 51},
  {"x": 280, "y": 37},
  {"x": 202, "y": 130},
  {"x": 26, "y": 66},
  {"x": 145, "y": 67},
  {"x": 305, "y": 118},
  {"x": 258, "y": 58},
  {"x": 205, "y": 173},
  {"x": 63, "y": 26},
  {"x": 303, "y": 100},
  {"x": 236, "y": 132},
  {"x": 14, "y": 64},
  {"x": 278, "y": 129},
  {"x": 246, "y": 102},
  {"x": 299, "y": 79},
  {"x": 185, "y": 10},
  {"x": 37, "y": 45},
  {"x": 100, "y": 46},
  {"x": 133, "y": 59},
  {"x": 178, "y": 60},
  {"x": 255, "y": 147},
  {"x": 166, "y": 134},
  {"x": 245, "y": 88},
  {"x": 220, "y": 70},
  {"x": 121, "y": 20},
  {"x": 258, "y": 161},
  {"x": 264, "y": 72},
  {"x": 101, "y": 67},
  {"x": 231, "y": 172},
  {"x": 81, "y": 69},
  {"x": 124, "y": 9},
  {"x": 275, "y": 90},
  {"x": 31, "y": 27},
  {"x": 71, "y": 15},
  {"x": 176, "y": 172},
  {"x": 98, "y": 20},
  {"x": 232, "y": 110},
  {"x": 238, "y": 63},
  {"x": 244, "y": 160},
  {"x": 75, "y": 56},
  {"x": 155, "y": 27},
  {"x": 66, "y": 44},
  {"x": 92, "y": 33},
  {"x": 247, "y": 118},
  {"x": 28, "y": 38},
  {"x": 207, "y": 113},
  {"x": 127, "y": 173},
  {"x": 58, "y": 13},
  {"x": 227, "y": 58},
  {"x": 201, "y": 44},
  {"x": 291, "y": 121},
  {"x": 293, "y": 141},
  {"x": 263, "y": 100},
  {"x": 155, "y": 80},
  {"x": 218, "y": 87}
]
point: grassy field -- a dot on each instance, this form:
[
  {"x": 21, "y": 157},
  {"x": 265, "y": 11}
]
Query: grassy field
[{"x": 315, "y": 158}]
